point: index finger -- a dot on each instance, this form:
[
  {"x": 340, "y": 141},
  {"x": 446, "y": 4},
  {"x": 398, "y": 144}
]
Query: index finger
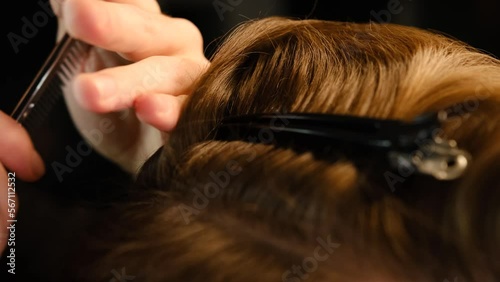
[
  {"x": 17, "y": 152},
  {"x": 129, "y": 30}
]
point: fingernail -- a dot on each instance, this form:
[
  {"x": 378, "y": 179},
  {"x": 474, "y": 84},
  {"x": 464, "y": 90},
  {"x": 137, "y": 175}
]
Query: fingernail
[
  {"x": 106, "y": 86},
  {"x": 37, "y": 165},
  {"x": 95, "y": 91}
]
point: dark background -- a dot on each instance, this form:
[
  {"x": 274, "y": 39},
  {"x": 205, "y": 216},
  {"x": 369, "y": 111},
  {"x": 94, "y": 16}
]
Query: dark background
[{"x": 50, "y": 218}]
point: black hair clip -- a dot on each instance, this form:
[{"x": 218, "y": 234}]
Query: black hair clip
[{"x": 408, "y": 145}]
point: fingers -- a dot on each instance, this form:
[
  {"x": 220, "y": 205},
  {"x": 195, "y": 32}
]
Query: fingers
[
  {"x": 151, "y": 6},
  {"x": 159, "y": 110},
  {"x": 168, "y": 55},
  {"x": 19, "y": 156},
  {"x": 115, "y": 89},
  {"x": 146, "y": 5},
  {"x": 17, "y": 153},
  {"x": 109, "y": 25}
]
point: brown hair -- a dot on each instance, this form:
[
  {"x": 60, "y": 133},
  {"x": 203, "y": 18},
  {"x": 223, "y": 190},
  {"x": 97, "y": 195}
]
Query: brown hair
[{"x": 237, "y": 211}]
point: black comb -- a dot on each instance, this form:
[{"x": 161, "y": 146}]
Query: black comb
[{"x": 45, "y": 91}]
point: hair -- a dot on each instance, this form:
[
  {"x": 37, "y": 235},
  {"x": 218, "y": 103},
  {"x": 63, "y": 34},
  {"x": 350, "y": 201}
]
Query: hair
[{"x": 208, "y": 210}]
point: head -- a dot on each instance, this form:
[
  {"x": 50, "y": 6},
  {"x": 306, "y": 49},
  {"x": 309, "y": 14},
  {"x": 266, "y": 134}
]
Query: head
[{"x": 208, "y": 210}]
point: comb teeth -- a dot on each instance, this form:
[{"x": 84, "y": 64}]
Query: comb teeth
[
  {"x": 72, "y": 61},
  {"x": 66, "y": 72},
  {"x": 46, "y": 90}
]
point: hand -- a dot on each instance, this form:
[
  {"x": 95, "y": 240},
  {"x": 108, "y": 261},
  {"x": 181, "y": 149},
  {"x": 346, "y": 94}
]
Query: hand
[
  {"x": 19, "y": 156},
  {"x": 136, "y": 77}
]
